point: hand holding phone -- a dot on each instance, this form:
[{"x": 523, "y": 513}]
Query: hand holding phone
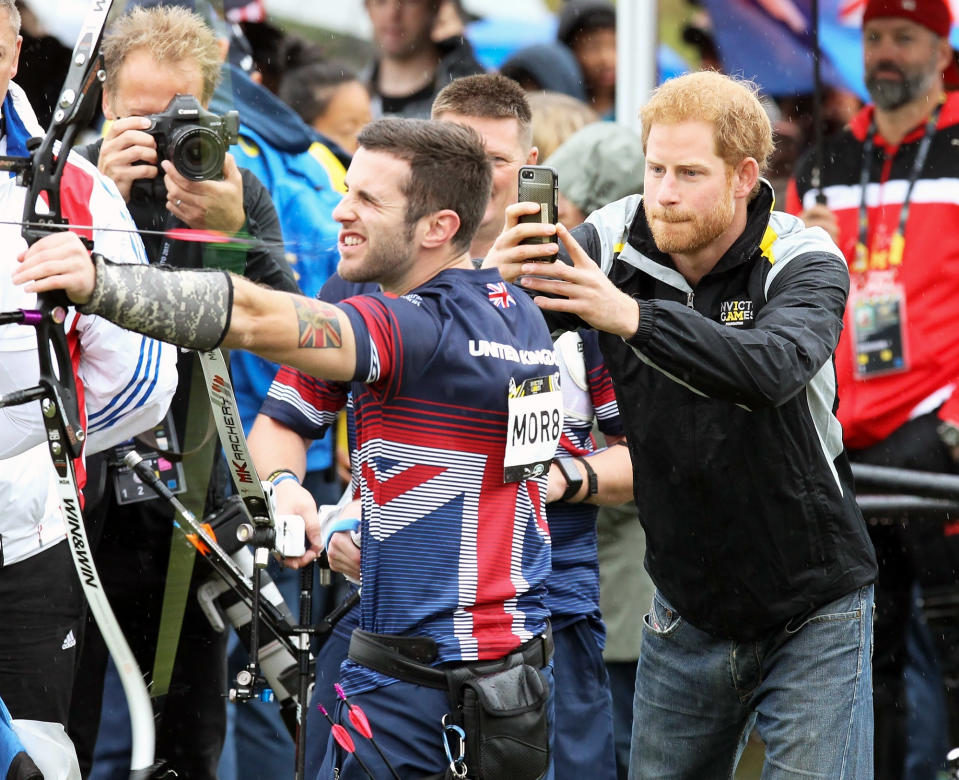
[{"x": 540, "y": 184}]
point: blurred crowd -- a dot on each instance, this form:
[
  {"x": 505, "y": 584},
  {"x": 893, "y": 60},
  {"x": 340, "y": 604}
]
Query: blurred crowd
[{"x": 303, "y": 105}]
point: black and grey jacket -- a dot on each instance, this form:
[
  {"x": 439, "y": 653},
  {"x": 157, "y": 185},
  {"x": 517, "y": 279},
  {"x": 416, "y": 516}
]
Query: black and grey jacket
[{"x": 729, "y": 396}]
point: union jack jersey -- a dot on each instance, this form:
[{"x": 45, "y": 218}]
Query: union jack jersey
[{"x": 450, "y": 551}]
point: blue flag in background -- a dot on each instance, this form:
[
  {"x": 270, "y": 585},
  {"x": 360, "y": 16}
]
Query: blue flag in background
[{"x": 769, "y": 41}]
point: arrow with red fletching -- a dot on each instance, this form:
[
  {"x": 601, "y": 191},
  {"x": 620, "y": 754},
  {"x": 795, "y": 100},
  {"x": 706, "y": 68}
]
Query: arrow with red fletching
[
  {"x": 362, "y": 724},
  {"x": 345, "y": 741}
]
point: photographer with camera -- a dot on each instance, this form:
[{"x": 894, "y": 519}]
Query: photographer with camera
[
  {"x": 187, "y": 144},
  {"x": 168, "y": 157}
]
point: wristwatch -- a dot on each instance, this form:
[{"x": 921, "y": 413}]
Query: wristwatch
[
  {"x": 574, "y": 480},
  {"x": 592, "y": 483},
  {"x": 949, "y": 434}
]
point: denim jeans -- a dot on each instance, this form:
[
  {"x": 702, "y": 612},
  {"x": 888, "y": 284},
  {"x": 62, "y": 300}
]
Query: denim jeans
[{"x": 807, "y": 688}]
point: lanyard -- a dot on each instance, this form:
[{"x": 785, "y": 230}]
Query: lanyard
[{"x": 861, "y": 263}]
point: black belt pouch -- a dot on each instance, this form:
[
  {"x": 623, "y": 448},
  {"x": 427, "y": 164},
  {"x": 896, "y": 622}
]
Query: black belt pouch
[{"x": 504, "y": 715}]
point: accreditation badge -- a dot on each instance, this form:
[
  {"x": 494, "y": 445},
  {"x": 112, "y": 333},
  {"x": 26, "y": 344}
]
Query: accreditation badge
[
  {"x": 535, "y": 425},
  {"x": 879, "y": 328}
]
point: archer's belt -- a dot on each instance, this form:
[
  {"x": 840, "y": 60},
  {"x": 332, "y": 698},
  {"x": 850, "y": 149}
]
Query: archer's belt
[{"x": 408, "y": 658}]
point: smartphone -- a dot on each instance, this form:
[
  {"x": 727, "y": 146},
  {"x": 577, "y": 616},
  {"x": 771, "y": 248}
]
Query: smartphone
[{"x": 540, "y": 184}]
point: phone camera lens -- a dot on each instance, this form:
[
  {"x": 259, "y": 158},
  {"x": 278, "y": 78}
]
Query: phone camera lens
[{"x": 527, "y": 174}]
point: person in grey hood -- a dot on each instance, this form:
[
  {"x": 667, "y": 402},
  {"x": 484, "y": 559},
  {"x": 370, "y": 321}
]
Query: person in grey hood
[{"x": 598, "y": 164}]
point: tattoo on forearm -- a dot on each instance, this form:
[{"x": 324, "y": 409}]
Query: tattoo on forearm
[{"x": 319, "y": 327}]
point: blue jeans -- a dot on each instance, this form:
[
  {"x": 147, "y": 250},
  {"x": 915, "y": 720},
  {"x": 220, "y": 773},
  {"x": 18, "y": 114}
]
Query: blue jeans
[
  {"x": 807, "y": 688},
  {"x": 927, "y": 718},
  {"x": 111, "y": 758}
]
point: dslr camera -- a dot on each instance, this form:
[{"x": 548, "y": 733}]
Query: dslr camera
[{"x": 193, "y": 139}]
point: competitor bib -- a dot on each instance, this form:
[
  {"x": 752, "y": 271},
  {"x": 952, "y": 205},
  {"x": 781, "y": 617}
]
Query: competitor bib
[{"x": 535, "y": 425}]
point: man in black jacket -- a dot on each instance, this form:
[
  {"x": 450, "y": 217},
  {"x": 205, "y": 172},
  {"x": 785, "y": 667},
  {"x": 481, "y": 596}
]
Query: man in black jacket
[
  {"x": 151, "y": 55},
  {"x": 718, "y": 319}
]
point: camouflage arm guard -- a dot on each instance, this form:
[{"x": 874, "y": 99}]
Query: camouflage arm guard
[{"x": 189, "y": 308}]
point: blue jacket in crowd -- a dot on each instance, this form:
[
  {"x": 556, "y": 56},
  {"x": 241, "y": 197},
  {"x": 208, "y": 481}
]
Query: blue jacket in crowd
[{"x": 302, "y": 177}]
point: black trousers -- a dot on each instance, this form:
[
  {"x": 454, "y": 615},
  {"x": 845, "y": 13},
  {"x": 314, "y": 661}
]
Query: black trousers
[
  {"x": 132, "y": 544},
  {"x": 41, "y": 615},
  {"x": 908, "y": 550}
]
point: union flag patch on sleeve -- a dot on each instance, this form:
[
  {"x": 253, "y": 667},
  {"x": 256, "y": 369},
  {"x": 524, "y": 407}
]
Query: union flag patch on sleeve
[{"x": 499, "y": 296}]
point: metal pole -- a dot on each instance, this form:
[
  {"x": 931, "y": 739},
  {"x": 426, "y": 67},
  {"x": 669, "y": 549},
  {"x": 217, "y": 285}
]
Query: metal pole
[
  {"x": 636, "y": 44},
  {"x": 817, "y": 106}
]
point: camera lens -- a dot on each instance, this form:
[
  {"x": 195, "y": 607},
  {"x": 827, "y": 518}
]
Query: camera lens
[
  {"x": 527, "y": 174},
  {"x": 197, "y": 153}
]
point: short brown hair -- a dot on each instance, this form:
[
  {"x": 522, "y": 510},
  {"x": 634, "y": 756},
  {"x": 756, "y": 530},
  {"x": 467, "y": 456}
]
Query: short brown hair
[
  {"x": 170, "y": 34},
  {"x": 741, "y": 126},
  {"x": 448, "y": 169},
  {"x": 435, "y": 4},
  {"x": 487, "y": 96}
]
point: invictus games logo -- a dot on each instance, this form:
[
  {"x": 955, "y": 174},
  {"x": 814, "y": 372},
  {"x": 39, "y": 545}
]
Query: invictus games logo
[{"x": 736, "y": 313}]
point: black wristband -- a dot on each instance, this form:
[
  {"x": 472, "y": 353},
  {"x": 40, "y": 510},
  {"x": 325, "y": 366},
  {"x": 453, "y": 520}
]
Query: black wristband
[
  {"x": 592, "y": 483},
  {"x": 574, "y": 480}
]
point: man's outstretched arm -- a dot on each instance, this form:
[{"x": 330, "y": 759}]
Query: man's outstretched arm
[{"x": 195, "y": 309}]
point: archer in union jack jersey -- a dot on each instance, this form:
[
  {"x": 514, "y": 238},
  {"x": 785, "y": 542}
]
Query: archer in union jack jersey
[
  {"x": 307, "y": 406},
  {"x": 449, "y": 550},
  {"x": 458, "y": 414}
]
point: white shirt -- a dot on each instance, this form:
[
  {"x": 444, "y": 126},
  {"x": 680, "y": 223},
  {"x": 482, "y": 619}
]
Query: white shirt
[{"x": 127, "y": 380}]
